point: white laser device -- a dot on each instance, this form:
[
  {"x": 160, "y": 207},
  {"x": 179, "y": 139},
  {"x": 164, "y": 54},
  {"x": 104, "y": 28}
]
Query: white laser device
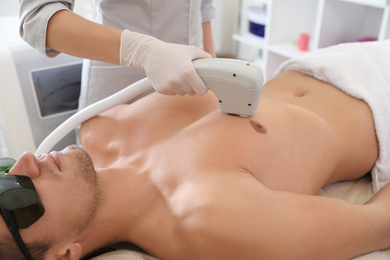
[{"x": 237, "y": 85}]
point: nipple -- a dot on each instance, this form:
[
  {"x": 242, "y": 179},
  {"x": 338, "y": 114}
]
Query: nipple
[{"x": 258, "y": 127}]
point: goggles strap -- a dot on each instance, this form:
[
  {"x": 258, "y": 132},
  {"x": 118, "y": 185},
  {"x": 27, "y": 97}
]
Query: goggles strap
[{"x": 18, "y": 239}]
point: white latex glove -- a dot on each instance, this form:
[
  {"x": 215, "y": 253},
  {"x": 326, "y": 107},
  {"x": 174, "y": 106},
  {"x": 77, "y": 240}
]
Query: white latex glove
[{"x": 168, "y": 66}]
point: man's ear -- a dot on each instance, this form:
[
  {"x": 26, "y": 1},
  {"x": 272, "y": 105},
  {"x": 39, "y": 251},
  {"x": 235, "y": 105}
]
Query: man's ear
[{"x": 66, "y": 252}]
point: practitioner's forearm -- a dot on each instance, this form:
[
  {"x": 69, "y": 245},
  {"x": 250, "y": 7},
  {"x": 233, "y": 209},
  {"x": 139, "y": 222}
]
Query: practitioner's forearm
[
  {"x": 71, "y": 34},
  {"x": 208, "y": 44}
]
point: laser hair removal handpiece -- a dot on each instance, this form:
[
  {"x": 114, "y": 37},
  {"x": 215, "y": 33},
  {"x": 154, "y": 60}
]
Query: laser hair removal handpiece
[{"x": 236, "y": 84}]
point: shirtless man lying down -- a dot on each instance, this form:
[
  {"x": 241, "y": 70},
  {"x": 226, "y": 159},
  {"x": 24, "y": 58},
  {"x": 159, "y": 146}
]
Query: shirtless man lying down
[{"x": 181, "y": 180}]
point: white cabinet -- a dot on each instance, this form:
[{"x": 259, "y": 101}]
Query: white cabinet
[{"x": 328, "y": 22}]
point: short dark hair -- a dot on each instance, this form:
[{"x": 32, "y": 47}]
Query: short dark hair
[{"x": 9, "y": 250}]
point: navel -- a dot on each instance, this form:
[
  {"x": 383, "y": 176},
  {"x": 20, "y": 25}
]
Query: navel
[
  {"x": 258, "y": 127},
  {"x": 300, "y": 93}
]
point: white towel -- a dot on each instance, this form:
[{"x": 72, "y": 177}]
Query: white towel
[{"x": 361, "y": 70}]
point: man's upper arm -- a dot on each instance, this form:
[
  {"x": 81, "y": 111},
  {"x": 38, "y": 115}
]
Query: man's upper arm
[{"x": 230, "y": 222}]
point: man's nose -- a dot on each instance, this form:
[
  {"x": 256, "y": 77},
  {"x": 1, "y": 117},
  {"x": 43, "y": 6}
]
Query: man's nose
[{"x": 27, "y": 165}]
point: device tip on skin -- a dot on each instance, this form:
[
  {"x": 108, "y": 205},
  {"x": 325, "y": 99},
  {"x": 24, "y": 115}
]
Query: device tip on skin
[{"x": 258, "y": 127}]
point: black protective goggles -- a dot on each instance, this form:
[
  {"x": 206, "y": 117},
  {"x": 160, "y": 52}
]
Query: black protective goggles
[{"x": 20, "y": 206}]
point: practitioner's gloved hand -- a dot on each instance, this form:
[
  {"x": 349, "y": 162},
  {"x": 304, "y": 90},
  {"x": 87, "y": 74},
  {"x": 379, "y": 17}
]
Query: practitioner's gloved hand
[{"x": 168, "y": 66}]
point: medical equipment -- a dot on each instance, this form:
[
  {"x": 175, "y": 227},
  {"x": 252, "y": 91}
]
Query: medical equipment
[
  {"x": 20, "y": 205},
  {"x": 237, "y": 85},
  {"x": 37, "y": 95}
]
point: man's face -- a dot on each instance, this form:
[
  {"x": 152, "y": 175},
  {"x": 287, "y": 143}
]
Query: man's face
[{"x": 67, "y": 185}]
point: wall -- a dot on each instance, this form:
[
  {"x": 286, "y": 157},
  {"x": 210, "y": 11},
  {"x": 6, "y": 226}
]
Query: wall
[
  {"x": 224, "y": 25},
  {"x": 8, "y": 7}
]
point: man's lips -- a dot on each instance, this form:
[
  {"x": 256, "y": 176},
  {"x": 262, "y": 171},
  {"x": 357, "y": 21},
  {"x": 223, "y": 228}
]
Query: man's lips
[{"x": 56, "y": 158}]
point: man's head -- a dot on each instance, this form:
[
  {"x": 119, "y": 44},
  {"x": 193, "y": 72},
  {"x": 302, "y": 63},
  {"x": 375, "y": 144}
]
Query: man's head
[{"x": 67, "y": 186}]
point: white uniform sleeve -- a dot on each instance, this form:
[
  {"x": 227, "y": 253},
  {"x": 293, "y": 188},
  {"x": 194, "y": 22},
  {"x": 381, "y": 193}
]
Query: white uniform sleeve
[
  {"x": 33, "y": 18},
  {"x": 208, "y": 10}
]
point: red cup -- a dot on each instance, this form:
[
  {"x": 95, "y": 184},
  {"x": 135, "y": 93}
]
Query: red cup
[{"x": 303, "y": 43}]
